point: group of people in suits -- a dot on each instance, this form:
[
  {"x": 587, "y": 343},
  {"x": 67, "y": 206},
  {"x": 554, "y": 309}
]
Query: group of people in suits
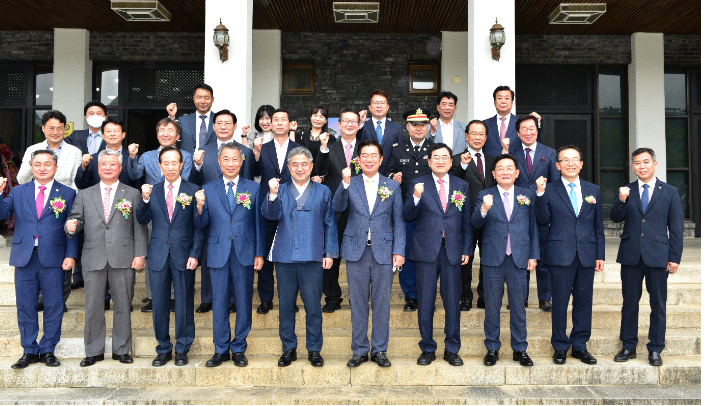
[{"x": 383, "y": 204}]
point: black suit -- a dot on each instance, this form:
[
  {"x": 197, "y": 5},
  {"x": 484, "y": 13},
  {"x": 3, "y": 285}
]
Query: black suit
[
  {"x": 79, "y": 138},
  {"x": 475, "y": 185},
  {"x": 89, "y": 177}
]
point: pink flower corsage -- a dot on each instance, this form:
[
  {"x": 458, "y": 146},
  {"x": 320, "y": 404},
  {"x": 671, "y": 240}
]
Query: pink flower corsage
[
  {"x": 384, "y": 192},
  {"x": 458, "y": 198},
  {"x": 124, "y": 206},
  {"x": 244, "y": 199},
  {"x": 356, "y": 162},
  {"x": 523, "y": 200},
  {"x": 58, "y": 205},
  {"x": 590, "y": 199}
]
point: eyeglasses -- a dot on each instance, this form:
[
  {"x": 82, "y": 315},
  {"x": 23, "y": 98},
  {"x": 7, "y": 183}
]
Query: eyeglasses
[
  {"x": 221, "y": 123},
  {"x": 205, "y": 98},
  {"x": 476, "y": 135},
  {"x": 368, "y": 156},
  {"x": 348, "y": 122},
  {"x": 53, "y": 130},
  {"x": 297, "y": 165},
  {"x": 378, "y": 103},
  {"x": 573, "y": 161},
  {"x": 443, "y": 158}
]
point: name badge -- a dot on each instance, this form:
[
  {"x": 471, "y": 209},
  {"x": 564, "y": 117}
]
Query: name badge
[{"x": 404, "y": 161}]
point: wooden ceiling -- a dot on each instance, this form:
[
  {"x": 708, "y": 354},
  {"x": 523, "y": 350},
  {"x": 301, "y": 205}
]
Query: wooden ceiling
[{"x": 623, "y": 17}]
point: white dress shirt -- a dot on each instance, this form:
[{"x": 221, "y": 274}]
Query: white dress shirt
[
  {"x": 577, "y": 191},
  {"x": 473, "y": 153},
  {"x": 48, "y": 189},
  {"x": 447, "y": 133},
  {"x": 281, "y": 151},
  {"x": 436, "y": 182},
  {"x": 651, "y": 185}
]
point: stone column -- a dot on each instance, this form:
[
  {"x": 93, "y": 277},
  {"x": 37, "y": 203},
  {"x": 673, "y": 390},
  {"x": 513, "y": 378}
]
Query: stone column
[
  {"x": 266, "y": 74},
  {"x": 454, "y": 70},
  {"x": 72, "y": 74}
]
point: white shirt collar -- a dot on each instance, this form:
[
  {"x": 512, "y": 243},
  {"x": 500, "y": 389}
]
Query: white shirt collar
[
  {"x": 48, "y": 185},
  {"x": 414, "y": 144},
  {"x": 376, "y": 178},
  {"x": 436, "y": 179},
  {"x": 533, "y": 147},
  {"x": 113, "y": 186},
  {"x": 507, "y": 118},
  {"x": 501, "y": 190},
  {"x": 176, "y": 185},
  {"x": 225, "y": 180},
  {"x": 575, "y": 182},
  {"x": 651, "y": 184},
  {"x": 474, "y": 152},
  {"x": 451, "y": 123}
]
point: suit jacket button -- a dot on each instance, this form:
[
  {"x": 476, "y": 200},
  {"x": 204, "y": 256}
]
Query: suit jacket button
[
  {"x": 643, "y": 220},
  {"x": 641, "y": 234},
  {"x": 232, "y": 222},
  {"x": 38, "y": 223},
  {"x": 416, "y": 171},
  {"x": 171, "y": 229},
  {"x": 230, "y": 238},
  {"x": 416, "y": 163},
  {"x": 578, "y": 222}
]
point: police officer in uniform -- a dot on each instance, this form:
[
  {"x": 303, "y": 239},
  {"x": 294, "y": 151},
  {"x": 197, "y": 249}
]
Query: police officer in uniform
[{"x": 406, "y": 162}]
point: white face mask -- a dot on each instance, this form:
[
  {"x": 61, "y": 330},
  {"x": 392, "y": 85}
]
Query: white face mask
[{"x": 95, "y": 121}]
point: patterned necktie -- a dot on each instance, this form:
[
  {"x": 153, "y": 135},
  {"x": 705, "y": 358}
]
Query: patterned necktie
[
  {"x": 479, "y": 165},
  {"x": 508, "y": 212},
  {"x": 573, "y": 199},
  {"x": 230, "y": 197},
  {"x": 502, "y": 130},
  {"x": 644, "y": 198},
  {"x": 348, "y": 153},
  {"x": 379, "y": 132},
  {"x": 169, "y": 202},
  {"x": 528, "y": 160},
  {"x": 203, "y": 132},
  {"x": 107, "y": 203},
  {"x": 39, "y": 201}
]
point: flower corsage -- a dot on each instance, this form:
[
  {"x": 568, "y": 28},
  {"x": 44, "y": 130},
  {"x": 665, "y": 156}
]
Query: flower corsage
[
  {"x": 57, "y": 205},
  {"x": 124, "y": 206},
  {"x": 244, "y": 199},
  {"x": 458, "y": 198},
  {"x": 384, "y": 192},
  {"x": 356, "y": 162},
  {"x": 184, "y": 199},
  {"x": 590, "y": 199},
  {"x": 523, "y": 200}
]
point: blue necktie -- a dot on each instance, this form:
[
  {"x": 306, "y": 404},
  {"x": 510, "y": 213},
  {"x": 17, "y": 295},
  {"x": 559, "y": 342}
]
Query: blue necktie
[
  {"x": 230, "y": 197},
  {"x": 573, "y": 199},
  {"x": 379, "y": 132},
  {"x": 203, "y": 131},
  {"x": 644, "y": 198}
]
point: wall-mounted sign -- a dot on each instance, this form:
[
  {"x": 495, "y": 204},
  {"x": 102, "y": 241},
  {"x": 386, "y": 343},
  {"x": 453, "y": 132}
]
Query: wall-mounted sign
[{"x": 68, "y": 129}]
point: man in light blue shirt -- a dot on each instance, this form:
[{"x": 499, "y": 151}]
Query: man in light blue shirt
[{"x": 168, "y": 131}]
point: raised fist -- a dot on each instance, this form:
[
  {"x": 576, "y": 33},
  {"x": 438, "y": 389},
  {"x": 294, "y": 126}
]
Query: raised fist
[
  {"x": 133, "y": 150},
  {"x": 346, "y": 175},
  {"x": 200, "y": 198},
  {"x": 541, "y": 184},
  {"x": 85, "y": 159},
  {"x": 433, "y": 123},
  {"x": 145, "y": 191},
  {"x": 258, "y": 141},
  {"x": 172, "y": 110},
  {"x": 245, "y": 129},
  {"x": 418, "y": 190},
  {"x": 293, "y": 125},
  {"x": 274, "y": 186},
  {"x": 3, "y": 183},
  {"x": 71, "y": 225},
  {"x": 537, "y": 116},
  {"x": 487, "y": 203},
  {"x": 624, "y": 193},
  {"x": 397, "y": 177},
  {"x": 506, "y": 145},
  {"x": 466, "y": 158},
  {"x": 198, "y": 156},
  {"x": 324, "y": 140},
  {"x": 363, "y": 115}
]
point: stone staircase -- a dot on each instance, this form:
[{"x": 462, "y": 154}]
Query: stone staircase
[{"x": 263, "y": 382}]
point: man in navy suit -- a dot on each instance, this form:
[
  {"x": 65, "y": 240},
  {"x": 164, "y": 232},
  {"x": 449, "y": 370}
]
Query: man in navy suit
[
  {"x": 207, "y": 169},
  {"x": 196, "y": 129},
  {"x": 447, "y": 130},
  {"x": 173, "y": 252},
  {"x": 271, "y": 163},
  {"x": 536, "y": 161},
  {"x": 503, "y": 123},
  {"x": 441, "y": 205},
  {"x": 41, "y": 252},
  {"x": 90, "y": 141},
  {"x": 651, "y": 247},
  {"x": 573, "y": 209},
  {"x": 373, "y": 246},
  {"x": 506, "y": 213},
  {"x": 386, "y": 133},
  {"x": 235, "y": 248},
  {"x": 306, "y": 242}
]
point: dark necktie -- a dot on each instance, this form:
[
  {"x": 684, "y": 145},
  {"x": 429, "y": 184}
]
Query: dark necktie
[
  {"x": 230, "y": 197},
  {"x": 644, "y": 198},
  {"x": 416, "y": 150},
  {"x": 528, "y": 160},
  {"x": 479, "y": 165},
  {"x": 203, "y": 131}
]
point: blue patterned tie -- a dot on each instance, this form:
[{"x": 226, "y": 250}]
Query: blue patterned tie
[
  {"x": 379, "y": 132},
  {"x": 203, "y": 131},
  {"x": 230, "y": 197},
  {"x": 644, "y": 198},
  {"x": 573, "y": 199}
]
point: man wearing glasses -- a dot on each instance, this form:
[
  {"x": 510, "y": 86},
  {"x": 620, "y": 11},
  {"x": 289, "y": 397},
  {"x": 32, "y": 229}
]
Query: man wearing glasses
[{"x": 386, "y": 133}]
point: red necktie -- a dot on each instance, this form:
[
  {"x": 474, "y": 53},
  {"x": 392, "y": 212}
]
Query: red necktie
[
  {"x": 169, "y": 202},
  {"x": 528, "y": 160},
  {"x": 479, "y": 164}
]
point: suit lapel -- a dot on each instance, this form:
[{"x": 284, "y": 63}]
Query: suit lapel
[
  {"x": 159, "y": 193},
  {"x": 120, "y": 194},
  {"x": 434, "y": 190},
  {"x": 656, "y": 192},
  {"x": 498, "y": 203},
  {"x": 222, "y": 193},
  {"x": 514, "y": 209},
  {"x": 54, "y": 192},
  {"x": 536, "y": 160},
  {"x": 378, "y": 199},
  {"x": 271, "y": 153},
  {"x": 30, "y": 196},
  {"x": 358, "y": 183},
  {"x": 339, "y": 153},
  {"x": 562, "y": 190},
  {"x": 585, "y": 192},
  {"x": 634, "y": 193}
]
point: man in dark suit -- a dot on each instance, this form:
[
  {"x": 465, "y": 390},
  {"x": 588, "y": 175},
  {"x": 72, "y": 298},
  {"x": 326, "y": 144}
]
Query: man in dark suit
[
  {"x": 373, "y": 246},
  {"x": 651, "y": 247},
  {"x": 196, "y": 129},
  {"x": 573, "y": 209},
  {"x": 406, "y": 162},
  {"x": 90, "y": 141},
  {"x": 503, "y": 123},
  {"x": 230, "y": 206},
  {"x": 506, "y": 214},
  {"x": 330, "y": 162},
  {"x": 536, "y": 160},
  {"x": 175, "y": 246},
  {"x": 475, "y": 167},
  {"x": 271, "y": 163},
  {"x": 441, "y": 204},
  {"x": 41, "y": 252},
  {"x": 305, "y": 245},
  {"x": 378, "y": 128}
]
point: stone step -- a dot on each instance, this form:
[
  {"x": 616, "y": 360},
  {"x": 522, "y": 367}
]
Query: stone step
[
  {"x": 263, "y": 371},
  {"x": 364, "y": 395}
]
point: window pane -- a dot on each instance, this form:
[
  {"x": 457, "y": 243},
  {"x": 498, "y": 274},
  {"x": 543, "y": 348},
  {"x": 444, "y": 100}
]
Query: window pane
[
  {"x": 612, "y": 142},
  {"x": 44, "y": 83},
  {"x": 612, "y": 91},
  {"x": 299, "y": 79},
  {"x": 37, "y": 134},
  {"x": 10, "y": 126},
  {"x": 109, "y": 87},
  {"x": 610, "y": 183},
  {"x": 674, "y": 83},
  {"x": 423, "y": 79},
  {"x": 679, "y": 179},
  {"x": 677, "y": 142}
]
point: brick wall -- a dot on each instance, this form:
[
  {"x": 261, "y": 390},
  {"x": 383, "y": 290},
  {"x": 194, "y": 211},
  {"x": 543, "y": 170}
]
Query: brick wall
[
  {"x": 573, "y": 49},
  {"x": 26, "y": 45},
  {"x": 147, "y": 46},
  {"x": 681, "y": 49}
]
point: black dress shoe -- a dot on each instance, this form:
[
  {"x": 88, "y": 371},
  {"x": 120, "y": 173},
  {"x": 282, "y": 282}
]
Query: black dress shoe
[
  {"x": 145, "y": 300},
  {"x": 217, "y": 360},
  {"x": 559, "y": 357},
  {"x": 654, "y": 359},
  {"x": 49, "y": 359},
  {"x": 491, "y": 358},
  {"x": 180, "y": 359},
  {"x": 296, "y": 309},
  {"x": 122, "y": 358},
  {"x": 65, "y": 309},
  {"x": 287, "y": 357},
  {"x": 25, "y": 360},
  {"x": 172, "y": 305},
  {"x": 381, "y": 359},
  {"x": 426, "y": 358},
  {"x": 40, "y": 307},
  {"x": 315, "y": 358},
  {"x": 148, "y": 308},
  {"x": 89, "y": 361},
  {"x": 453, "y": 359},
  {"x": 232, "y": 307},
  {"x": 624, "y": 355},
  {"x": 331, "y": 307},
  {"x": 523, "y": 358},
  {"x": 465, "y": 305},
  {"x": 411, "y": 305},
  {"x": 480, "y": 304},
  {"x": 203, "y": 308},
  {"x": 356, "y": 360},
  {"x": 77, "y": 284},
  {"x": 585, "y": 357},
  {"x": 264, "y": 307},
  {"x": 240, "y": 359},
  {"x": 546, "y": 306},
  {"x": 107, "y": 305},
  {"x": 162, "y": 359}
]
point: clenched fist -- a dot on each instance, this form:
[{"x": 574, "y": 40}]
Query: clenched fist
[
  {"x": 466, "y": 158},
  {"x": 624, "y": 193},
  {"x": 198, "y": 156},
  {"x": 145, "y": 191},
  {"x": 541, "y": 184},
  {"x": 133, "y": 150},
  {"x": 487, "y": 203},
  {"x": 85, "y": 159},
  {"x": 537, "y": 116},
  {"x": 200, "y": 199},
  {"x": 3, "y": 183},
  {"x": 324, "y": 140},
  {"x": 506, "y": 145},
  {"x": 258, "y": 142},
  {"x": 363, "y": 115},
  {"x": 418, "y": 190},
  {"x": 71, "y": 225},
  {"x": 433, "y": 123},
  {"x": 397, "y": 177},
  {"x": 245, "y": 129},
  {"x": 346, "y": 175},
  {"x": 274, "y": 186},
  {"x": 172, "y": 110}
]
